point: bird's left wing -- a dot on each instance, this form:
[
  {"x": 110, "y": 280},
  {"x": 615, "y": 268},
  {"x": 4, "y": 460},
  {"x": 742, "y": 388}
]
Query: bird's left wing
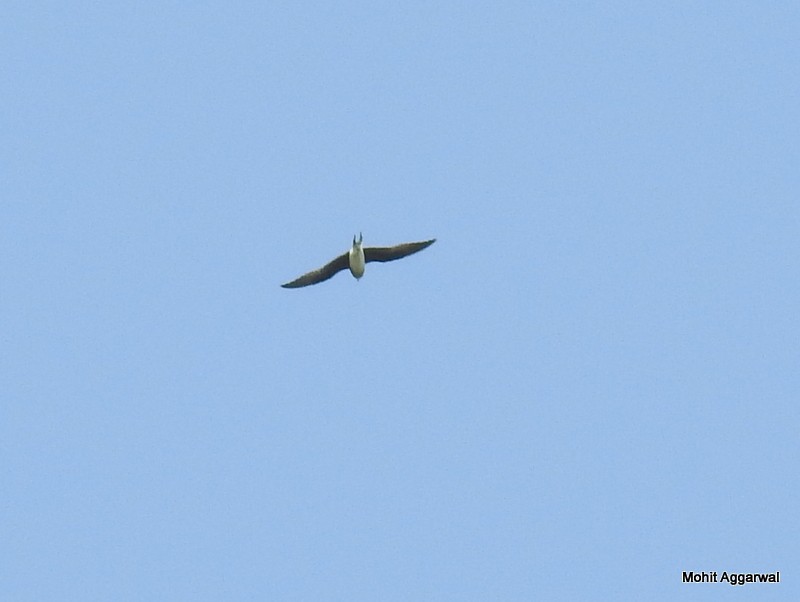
[{"x": 321, "y": 275}]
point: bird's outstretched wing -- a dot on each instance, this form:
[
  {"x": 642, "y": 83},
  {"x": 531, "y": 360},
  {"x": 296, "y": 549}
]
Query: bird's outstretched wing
[
  {"x": 395, "y": 252},
  {"x": 321, "y": 275}
]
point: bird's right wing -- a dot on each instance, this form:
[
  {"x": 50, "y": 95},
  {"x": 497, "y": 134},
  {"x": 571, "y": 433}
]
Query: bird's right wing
[
  {"x": 396, "y": 252},
  {"x": 321, "y": 275}
]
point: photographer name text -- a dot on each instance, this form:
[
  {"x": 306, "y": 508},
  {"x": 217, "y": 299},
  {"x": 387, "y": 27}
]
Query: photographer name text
[{"x": 731, "y": 578}]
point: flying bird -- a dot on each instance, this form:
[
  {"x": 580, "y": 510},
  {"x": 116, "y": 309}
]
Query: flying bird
[{"x": 356, "y": 259}]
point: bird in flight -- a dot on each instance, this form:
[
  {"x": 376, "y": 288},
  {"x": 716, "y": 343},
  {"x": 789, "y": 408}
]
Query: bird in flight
[{"x": 356, "y": 259}]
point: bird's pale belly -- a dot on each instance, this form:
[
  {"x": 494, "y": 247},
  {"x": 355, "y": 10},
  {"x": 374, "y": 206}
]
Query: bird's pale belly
[{"x": 357, "y": 263}]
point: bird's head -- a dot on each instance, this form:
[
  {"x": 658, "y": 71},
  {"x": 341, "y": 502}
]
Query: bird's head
[{"x": 360, "y": 240}]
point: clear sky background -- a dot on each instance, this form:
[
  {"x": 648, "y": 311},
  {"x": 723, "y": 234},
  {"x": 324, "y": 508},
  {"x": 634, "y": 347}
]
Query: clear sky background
[{"x": 586, "y": 386}]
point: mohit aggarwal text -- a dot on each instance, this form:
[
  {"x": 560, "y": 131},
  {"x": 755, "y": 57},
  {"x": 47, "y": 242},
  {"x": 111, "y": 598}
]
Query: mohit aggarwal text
[{"x": 731, "y": 578}]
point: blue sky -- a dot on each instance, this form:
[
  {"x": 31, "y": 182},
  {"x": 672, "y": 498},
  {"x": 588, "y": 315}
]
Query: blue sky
[{"x": 586, "y": 386}]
